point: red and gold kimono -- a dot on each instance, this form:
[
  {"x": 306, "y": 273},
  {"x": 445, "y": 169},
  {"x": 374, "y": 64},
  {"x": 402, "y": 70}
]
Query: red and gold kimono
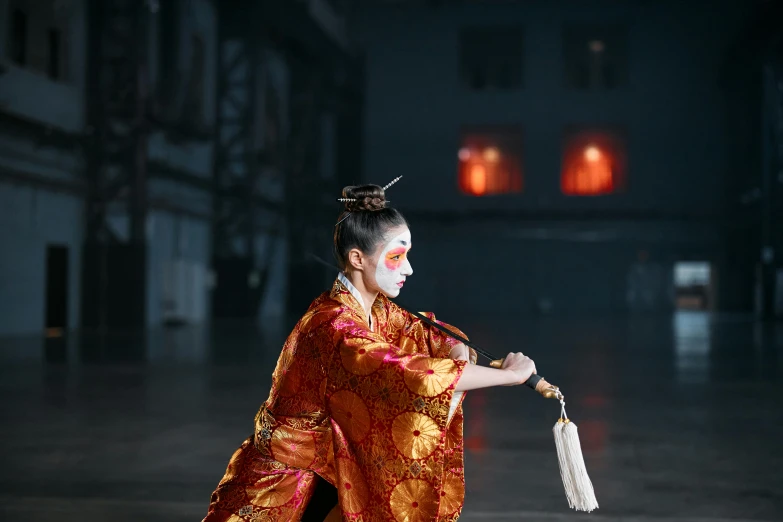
[{"x": 366, "y": 409}]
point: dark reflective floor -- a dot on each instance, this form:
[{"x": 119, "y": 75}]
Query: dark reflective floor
[{"x": 680, "y": 418}]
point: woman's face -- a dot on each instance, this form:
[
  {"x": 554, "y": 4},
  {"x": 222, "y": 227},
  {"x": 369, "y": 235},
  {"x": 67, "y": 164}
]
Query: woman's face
[{"x": 391, "y": 261}]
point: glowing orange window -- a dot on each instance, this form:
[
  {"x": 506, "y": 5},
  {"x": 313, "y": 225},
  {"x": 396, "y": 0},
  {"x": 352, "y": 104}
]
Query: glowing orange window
[
  {"x": 592, "y": 164},
  {"x": 490, "y": 164}
]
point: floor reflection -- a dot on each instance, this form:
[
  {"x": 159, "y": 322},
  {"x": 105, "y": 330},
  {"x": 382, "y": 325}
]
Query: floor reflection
[
  {"x": 679, "y": 418},
  {"x": 224, "y": 344},
  {"x": 692, "y": 344}
]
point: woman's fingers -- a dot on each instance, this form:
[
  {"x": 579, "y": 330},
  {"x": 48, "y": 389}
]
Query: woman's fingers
[{"x": 521, "y": 365}]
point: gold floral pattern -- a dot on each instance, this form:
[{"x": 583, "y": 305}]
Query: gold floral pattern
[
  {"x": 349, "y": 411},
  {"x": 365, "y": 410},
  {"x": 433, "y": 469},
  {"x": 294, "y": 447},
  {"x": 429, "y": 377},
  {"x": 362, "y": 358},
  {"x": 234, "y": 467},
  {"x": 272, "y": 491},
  {"x": 415, "y": 435},
  {"x": 414, "y": 500},
  {"x": 378, "y": 458},
  {"x": 233, "y": 496},
  {"x": 351, "y": 488},
  {"x": 292, "y": 382},
  {"x": 451, "y": 494},
  {"x": 407, "y": 344}
]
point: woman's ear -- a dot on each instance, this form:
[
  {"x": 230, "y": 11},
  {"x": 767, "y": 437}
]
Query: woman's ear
[{"x": 355, "y": 259}]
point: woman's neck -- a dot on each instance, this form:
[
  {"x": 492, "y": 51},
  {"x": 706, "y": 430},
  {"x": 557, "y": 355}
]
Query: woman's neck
[{"x": 368, "y": 297}]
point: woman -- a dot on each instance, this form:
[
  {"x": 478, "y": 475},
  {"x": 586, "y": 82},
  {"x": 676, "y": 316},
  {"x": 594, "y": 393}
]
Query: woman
[{"x": 365, "y": 398}]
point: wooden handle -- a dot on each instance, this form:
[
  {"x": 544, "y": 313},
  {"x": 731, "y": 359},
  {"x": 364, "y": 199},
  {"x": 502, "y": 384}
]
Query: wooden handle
[{"x": 549, "y": 391}]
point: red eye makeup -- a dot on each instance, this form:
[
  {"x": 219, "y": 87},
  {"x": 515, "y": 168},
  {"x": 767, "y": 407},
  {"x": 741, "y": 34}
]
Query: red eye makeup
[{"x": 395, "y": 257}]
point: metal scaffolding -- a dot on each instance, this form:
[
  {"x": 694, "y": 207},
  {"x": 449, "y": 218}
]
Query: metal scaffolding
[
  {"x": 123, "y": 109},
  {"x": 242, "y": 212},
  {"x": 116, "y": 157}
]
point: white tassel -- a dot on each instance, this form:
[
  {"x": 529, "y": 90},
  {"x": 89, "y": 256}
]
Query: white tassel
[
  {"x": 578, "y": 488},
  {"x": 565, "y": 469}
]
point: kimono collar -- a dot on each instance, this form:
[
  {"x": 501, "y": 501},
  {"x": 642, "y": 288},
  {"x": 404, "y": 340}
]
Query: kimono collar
[
  {"x": 354, "y": 291},
  {"x": 357, "y": 303}
]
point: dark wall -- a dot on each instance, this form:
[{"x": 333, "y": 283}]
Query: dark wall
[{"x": 673, "y": 113}]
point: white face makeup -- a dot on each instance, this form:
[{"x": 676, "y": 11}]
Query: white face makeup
[{"x": 392, "y": 265}]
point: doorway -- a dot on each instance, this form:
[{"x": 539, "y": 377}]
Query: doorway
[
  {"x": 693, "y": 285},
  {"x": 56, "y": 290}
]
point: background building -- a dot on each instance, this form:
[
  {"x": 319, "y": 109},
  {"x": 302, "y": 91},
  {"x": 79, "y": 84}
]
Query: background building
[
  {"x": 597, "y": 183},
  {"x": 146, "y": 151},
  {"x": 567, "y": 156}
]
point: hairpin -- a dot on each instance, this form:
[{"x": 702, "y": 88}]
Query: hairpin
[
  {"x": 343, "y": 219},
  {"x": 346, "y": 200},
  {"x": 392, "y": 182}
]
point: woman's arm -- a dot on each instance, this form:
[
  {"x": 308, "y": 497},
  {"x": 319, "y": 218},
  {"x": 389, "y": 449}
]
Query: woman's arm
[
  {"x": 516, "y": 369},
  {"x": 460, "y": 352}
]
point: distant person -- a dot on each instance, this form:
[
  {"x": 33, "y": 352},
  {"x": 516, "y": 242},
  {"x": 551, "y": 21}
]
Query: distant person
[{"x": 364, "y": 418}]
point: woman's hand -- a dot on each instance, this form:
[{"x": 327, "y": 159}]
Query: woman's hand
[
  {"x": 520, "y": 366},
  {"x": 516, "y": 369}
]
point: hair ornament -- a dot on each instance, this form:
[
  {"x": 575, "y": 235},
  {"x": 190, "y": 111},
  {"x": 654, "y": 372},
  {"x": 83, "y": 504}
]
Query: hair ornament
[
  {"x": 392, "y": 182},
  {"x": 354, "y": 200}
]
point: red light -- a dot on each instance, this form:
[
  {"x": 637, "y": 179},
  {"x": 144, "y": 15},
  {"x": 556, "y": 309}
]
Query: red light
[
  {"x": 486, "y": 169},
  {"x": 478, "y": 179},
  {"x": 592, "y": 153},
  {"x": 491, "y": 154},
  {"x": 588, "y": 170}
]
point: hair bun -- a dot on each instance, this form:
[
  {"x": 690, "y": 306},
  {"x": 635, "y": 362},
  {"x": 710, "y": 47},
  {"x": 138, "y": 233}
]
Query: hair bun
[{"x": 367, "y": 197}]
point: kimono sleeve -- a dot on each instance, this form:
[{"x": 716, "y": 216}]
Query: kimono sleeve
[
  {"x": 389, "y": 415},
  {"x": 439, "y": 343}
]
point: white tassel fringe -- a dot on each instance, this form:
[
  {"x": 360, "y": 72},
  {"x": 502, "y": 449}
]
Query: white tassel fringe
[{"x": 578, "y": 488}]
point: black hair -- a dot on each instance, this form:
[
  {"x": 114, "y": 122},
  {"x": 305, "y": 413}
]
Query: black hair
[{"x": 364, "y": 222}]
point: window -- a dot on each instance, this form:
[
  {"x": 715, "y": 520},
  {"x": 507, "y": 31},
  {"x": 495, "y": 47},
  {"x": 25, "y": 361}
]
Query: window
[
  {"x": 490, "y": 161},
  {"x": 491, "y": 57},
  {"x": 53, "y": 62},
  {"x": 593, "y": 162},
  {"x": 595, "y": 57},
  {"x": 18, "y": 43},
  {"x": 692, "y": 282},
  {"x": 38, "y": 37}
]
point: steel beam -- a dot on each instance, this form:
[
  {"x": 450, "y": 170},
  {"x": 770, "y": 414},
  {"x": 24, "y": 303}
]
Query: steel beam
[{"x": 114, "y": 280}]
